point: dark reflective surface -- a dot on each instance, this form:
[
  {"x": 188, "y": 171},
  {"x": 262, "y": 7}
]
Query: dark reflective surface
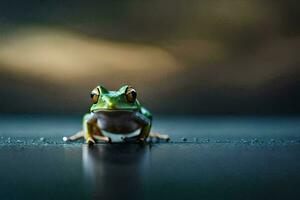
[
  {"x": 232, "y": 158},
  {"x": 41, "y": 173},
  {"x": 115, "y": 171}
]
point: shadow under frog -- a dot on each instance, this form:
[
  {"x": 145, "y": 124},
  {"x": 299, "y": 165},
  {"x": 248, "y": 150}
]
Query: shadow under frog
[{"x": 115, "y": 171}]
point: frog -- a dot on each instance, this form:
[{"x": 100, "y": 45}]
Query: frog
[{"x": 116, "y": 113}]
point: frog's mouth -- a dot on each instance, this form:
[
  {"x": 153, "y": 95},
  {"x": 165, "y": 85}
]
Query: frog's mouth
[{"x": 114, "y": 110}]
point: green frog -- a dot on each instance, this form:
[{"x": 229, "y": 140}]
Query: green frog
[{"x": 116, "y": 113}]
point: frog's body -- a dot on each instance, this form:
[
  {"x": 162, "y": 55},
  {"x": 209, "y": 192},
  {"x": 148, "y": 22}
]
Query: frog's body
[{"x": 116, "y": 112}]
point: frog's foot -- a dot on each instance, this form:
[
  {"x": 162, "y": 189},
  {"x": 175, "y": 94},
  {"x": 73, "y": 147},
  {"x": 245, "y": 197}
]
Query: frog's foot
[
  {"x": 160, "y": 136},
  {"x": 102, "y": 138},
  {"x": 90, "y": 141},
  {"x": 75, "y": 137}
]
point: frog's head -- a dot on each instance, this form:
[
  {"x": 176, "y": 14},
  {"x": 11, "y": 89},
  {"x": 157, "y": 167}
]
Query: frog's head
[{"x": 123, "y": 99}]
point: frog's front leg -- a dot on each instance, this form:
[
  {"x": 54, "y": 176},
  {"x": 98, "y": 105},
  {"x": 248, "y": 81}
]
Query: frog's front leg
[
  {"x": 145, "y": 120},
  {"x": 145, "y": 123},
  {"x": 145, "y": 131},
  {"x": 92, "y": 131}
]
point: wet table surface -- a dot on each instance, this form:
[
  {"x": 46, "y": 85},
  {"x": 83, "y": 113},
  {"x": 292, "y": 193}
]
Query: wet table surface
[{"x": 208, "y": 158}]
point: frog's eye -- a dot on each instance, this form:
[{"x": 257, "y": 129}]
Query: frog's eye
[
  {"x": 95, "y": 95},
  {"x": 130, "y": 94}
]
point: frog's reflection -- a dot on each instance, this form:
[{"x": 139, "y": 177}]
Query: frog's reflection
[{"x": 115, "y": 171}]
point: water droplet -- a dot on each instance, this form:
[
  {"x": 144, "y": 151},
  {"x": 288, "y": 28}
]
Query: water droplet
[
  {"x": 255, "y": 140},
  {"x": 206, "y": 140},
  {"x": 244, "y": 141}
]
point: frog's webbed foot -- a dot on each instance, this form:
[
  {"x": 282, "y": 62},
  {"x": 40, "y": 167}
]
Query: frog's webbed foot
[
  {"x": 160, "y": 136},
  {"x": 74, "y": 137},
  {"x": 93, "y": 139},
  {"x": 102, "y": 138}
]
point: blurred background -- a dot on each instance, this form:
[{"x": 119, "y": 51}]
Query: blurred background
[{"x": 196, "y": 57}]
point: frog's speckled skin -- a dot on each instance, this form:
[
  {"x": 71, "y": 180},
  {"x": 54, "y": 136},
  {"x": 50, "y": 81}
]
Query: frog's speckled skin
[{"x": 116, "y": 112}]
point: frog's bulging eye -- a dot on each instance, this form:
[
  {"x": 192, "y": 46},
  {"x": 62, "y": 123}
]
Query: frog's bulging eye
[
  {"x": 95, "y": 95},
  {"x": 130, "y": 94}
]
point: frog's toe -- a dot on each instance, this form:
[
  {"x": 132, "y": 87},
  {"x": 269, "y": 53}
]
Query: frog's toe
[
  {"x": 90, "y": 141},
  {"x": 109, "y": 140},
  {"x": 168, "y": 139},
  {"x": 141, "y": 140},
  {"x": 102, "y": 138}
]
